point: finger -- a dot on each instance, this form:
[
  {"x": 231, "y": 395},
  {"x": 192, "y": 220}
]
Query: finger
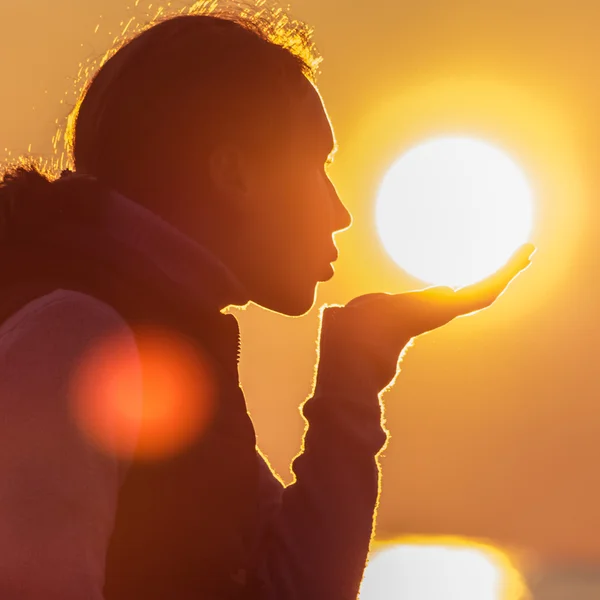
[
  {"x": 518, "y": 261},
  {"x": 483, "y": 293},
  {"x": 486, "y": 291}
]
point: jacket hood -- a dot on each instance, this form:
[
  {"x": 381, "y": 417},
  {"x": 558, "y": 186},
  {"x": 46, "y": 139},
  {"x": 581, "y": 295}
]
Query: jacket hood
[{"x": 84, "y": 217}]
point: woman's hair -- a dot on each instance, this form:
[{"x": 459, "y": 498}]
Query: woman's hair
[{"x": 162, "y": 99}]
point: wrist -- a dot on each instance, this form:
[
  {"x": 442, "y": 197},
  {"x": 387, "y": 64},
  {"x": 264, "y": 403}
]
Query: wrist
[{"x": 350, "y": 359}]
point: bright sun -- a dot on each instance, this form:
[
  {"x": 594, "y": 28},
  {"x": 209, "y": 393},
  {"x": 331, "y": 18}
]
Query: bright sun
[
  {"x": 452, "y": 210},
  {"x": 428, "y": 572}
]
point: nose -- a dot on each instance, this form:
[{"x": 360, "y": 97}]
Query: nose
[{"x": 341, "y": 217}]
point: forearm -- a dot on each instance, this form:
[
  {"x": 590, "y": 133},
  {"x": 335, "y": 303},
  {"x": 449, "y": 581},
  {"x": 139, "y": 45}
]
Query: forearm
[{"x": 318, "y": 540}]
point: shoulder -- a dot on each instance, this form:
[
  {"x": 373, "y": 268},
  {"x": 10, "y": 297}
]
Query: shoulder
[
  {"x": 44, "y": 344},
  {"x": 59, "y": 323},
  {"x": 60, "y": 308},
  {"x": 50, "y": 371}
]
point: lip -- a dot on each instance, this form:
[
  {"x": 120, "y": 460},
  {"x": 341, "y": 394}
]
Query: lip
[{"x": 327, "y": 273}]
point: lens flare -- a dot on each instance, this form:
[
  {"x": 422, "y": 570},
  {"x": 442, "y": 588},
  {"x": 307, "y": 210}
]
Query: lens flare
[
  {"x": 148, "y": 400},
  {"x": 451, "y": 211}
]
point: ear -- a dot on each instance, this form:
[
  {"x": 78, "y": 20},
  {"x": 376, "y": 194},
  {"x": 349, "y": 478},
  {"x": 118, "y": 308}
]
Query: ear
[{"x": 229, "y": 173}]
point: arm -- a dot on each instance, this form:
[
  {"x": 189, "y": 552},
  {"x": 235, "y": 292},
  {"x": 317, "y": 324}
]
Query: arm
[
  {"x": 317, "y": 541},
  {"x": 58, "y": 493}
]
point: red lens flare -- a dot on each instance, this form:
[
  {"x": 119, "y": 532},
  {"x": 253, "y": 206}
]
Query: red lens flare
[{"x": 145, "y": 401}]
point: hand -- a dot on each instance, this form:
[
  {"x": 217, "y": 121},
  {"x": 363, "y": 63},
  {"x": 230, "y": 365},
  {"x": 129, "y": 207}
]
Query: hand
[
  {"x": 418, "y": 312},
  {"x": 378, "y": 326}
]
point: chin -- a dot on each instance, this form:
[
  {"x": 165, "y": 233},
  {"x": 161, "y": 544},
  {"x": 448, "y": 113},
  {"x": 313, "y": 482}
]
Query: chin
[{"x": 290, "y": 302}]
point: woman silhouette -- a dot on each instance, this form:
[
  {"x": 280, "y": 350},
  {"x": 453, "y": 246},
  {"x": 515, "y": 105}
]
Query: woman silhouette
[{"x": 199, "y": 182}]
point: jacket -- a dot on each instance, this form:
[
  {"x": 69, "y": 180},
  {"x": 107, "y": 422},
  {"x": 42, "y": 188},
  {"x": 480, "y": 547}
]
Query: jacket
[{"x": 210, "y": 521}]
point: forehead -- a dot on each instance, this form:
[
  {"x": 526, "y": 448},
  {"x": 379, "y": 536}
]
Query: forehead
[{"x": 314, "y": 121}]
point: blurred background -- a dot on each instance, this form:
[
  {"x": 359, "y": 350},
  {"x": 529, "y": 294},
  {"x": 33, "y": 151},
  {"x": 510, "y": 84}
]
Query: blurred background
[{"x": 494, "y": 420}]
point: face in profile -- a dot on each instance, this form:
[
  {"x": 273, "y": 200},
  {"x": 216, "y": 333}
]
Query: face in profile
[{"x": 294, "y": 212}]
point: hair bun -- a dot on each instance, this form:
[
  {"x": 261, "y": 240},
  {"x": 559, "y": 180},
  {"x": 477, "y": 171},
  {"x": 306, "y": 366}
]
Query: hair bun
[
  {"x": 30, "y": 202},
  {"x": 25, "y": 203}
]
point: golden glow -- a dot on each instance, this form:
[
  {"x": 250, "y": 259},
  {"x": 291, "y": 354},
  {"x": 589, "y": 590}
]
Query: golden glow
[
  {"x": 452, "y": 210},
  {"x": 149, "y": 401},
  {"x": 442, "y": 570},
  {"x": 536, "y": 123}
]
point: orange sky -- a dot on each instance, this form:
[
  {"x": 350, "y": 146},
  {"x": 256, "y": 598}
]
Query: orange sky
[{"x": 495, "y": 420}]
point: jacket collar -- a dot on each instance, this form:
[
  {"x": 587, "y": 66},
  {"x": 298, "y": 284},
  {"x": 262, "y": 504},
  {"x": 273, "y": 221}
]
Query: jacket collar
[
  {"x": 81, "y": 222},
  {"x": 180, "y": 259}
]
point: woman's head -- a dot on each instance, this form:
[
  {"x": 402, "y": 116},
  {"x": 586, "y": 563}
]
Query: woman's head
[
  {"x": 213, "y": 122},
  {"x": 169, "y": 95}
]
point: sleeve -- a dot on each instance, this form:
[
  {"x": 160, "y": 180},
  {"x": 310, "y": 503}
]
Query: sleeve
[
  {"x": 317, "y": 539},
  {"x": 58, "y": 491}
]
